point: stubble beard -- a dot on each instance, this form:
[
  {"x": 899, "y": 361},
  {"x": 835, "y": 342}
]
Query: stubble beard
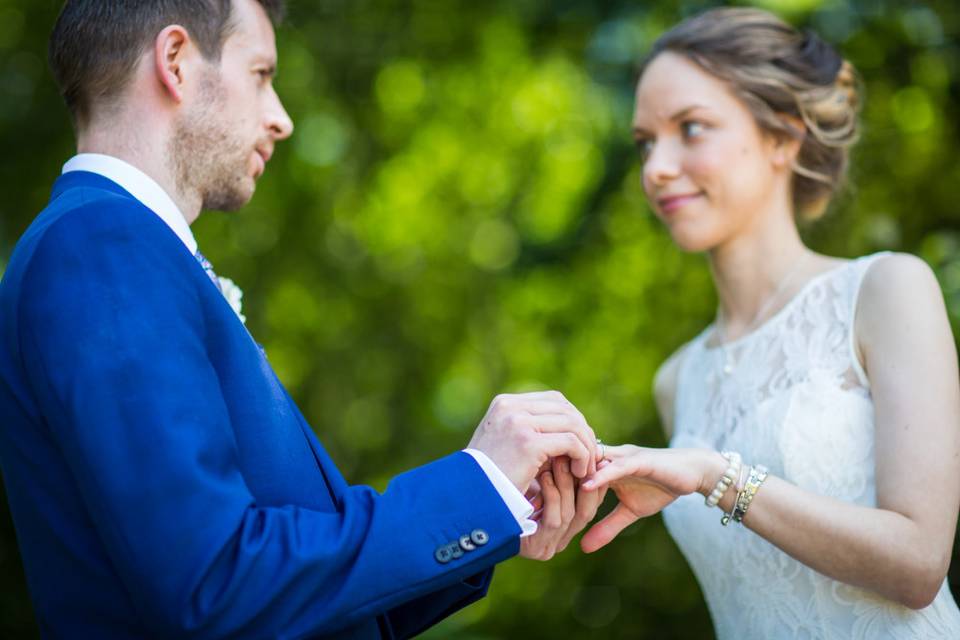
[{"x": 209, "y": 160}]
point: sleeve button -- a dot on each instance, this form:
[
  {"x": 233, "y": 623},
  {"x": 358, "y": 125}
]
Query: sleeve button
[
  {"x": 443, "y": 554},
  {"x": 467, "y": 544}
]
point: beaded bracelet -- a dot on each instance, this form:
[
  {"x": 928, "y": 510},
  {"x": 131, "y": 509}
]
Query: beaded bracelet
[
  {"x": 756, "y": 477},
  {"x": 732, "y": 472}
]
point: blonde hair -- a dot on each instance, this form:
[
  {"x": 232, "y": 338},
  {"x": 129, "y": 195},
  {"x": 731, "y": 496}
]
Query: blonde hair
[{"x": 777, "y": 70}]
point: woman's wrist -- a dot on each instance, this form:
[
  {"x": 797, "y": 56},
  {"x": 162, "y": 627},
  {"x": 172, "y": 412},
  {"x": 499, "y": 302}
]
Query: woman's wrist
[{"x": 714, "y": 465}]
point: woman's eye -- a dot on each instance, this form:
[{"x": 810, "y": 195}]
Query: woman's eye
[
  {"x": 692, "y": 129},
  {"x": 644, "y": 146}
]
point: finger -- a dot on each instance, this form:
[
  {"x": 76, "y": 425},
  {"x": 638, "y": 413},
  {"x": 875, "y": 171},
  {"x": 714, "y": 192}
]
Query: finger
[
  {"x": 537, "y": 502},
  {"x": 549, "y": 422},
  {"x": 513, "y": 402},
  {"x": 552, "y": 445},
  {"x": 587, "y": 504},
  {"x": 551, "y": 504},
  {"x": 566, "y": 422},
  {"x": 546, "y": 466},
  {"x": 615, "y": 452},
  {"x": 554, "y": 424},
  {"x": 552, "y": 533},
  {"x": 545, "y": 407},
  {"x": 607, "y": 529},
  {"x": 536, "y": 396},
  {"x": 531, "y": 547},
  {"x": 532, "y": 490},
  {"x": 611, "y": 473},
  {"x": 567, "y": 488}
]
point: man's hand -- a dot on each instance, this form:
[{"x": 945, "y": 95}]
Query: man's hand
[
  {"x": 521, "y": 432},
  {"x": 564, "y": 510}
]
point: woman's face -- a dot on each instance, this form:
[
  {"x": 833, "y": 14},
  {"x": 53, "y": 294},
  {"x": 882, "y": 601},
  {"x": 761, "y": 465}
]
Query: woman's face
[{"x": 708, "y": 170}]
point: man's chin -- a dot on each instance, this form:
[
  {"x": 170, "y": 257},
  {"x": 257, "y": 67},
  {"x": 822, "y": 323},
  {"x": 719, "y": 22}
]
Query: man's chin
[
  {"x": 234, "y": 204},
  {"x": 232, "y": 201}
]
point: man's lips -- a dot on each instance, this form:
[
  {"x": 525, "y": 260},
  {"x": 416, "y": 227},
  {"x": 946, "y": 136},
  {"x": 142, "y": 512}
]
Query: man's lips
[
  {"x": 264, "y": 156},
  {"x": 668, "y": 204}
]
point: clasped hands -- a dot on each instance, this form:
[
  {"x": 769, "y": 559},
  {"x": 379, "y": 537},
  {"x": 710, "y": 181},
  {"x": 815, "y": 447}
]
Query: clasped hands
[{"x": 545, "y": 447}]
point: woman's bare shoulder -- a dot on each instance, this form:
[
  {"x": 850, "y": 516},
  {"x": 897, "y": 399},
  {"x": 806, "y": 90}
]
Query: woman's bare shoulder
[
  {"x": 665, "y": 387},
  {"x": 899, "y": 294},
  {"x": 892, "y": 283}
]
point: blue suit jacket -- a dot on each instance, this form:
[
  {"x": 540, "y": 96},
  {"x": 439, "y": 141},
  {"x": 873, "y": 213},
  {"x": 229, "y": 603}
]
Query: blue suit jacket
[{"x": 161, "y": 480}]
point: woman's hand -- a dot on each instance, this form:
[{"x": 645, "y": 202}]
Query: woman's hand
[
  {"x": 645, "y": 481},
  {"x": 562, "y": 511}
]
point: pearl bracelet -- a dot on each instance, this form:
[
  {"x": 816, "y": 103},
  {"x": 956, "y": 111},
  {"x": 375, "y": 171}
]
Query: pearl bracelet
[
  {"x": 756, "y": 477},
  {"x": 732, "y": 472}
]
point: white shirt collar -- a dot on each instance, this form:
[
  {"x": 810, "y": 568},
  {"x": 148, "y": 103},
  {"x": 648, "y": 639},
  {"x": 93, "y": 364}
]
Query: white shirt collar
[{"x": 140, "y": 186}]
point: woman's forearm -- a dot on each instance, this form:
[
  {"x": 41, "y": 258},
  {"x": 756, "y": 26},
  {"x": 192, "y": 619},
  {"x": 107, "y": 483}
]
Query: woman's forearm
[{"x": 873, "y": 548}]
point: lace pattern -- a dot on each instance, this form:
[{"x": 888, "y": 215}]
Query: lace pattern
[{"x": 796, "y": 400}]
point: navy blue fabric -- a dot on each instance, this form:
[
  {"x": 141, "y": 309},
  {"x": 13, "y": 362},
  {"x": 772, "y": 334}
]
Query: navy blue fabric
[{"x": 163, "y": 483}]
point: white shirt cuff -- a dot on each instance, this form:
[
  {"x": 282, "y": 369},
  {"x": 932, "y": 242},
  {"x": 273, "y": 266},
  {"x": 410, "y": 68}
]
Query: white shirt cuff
[{"x": 519, "y": 506}]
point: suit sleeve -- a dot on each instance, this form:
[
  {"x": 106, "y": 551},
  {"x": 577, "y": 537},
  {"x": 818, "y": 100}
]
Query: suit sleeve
[
  {"x": 415, "y": 617},
  {"x": 114, "y": 345}
]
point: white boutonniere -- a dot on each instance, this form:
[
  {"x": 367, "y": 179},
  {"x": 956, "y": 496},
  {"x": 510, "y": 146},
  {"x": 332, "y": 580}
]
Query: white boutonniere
[{"x": 234, "y": 296}]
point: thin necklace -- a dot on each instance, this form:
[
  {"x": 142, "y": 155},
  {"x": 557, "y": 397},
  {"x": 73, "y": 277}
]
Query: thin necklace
[{"x": 721, "y": 328}]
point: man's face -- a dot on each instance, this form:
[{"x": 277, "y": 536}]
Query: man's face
[{"x": 226, "y": 135}]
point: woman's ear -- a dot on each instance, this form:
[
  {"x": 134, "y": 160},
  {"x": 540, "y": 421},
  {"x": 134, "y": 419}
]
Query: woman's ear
[{"x": 786, "y": 146}]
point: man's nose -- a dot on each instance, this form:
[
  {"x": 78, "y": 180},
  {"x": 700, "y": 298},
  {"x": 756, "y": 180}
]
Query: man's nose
[{"x": 278, "y": 121}]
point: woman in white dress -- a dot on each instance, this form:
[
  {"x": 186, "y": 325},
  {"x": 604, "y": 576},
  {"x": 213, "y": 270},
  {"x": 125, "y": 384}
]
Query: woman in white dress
[{"x": 820, "y": 412}]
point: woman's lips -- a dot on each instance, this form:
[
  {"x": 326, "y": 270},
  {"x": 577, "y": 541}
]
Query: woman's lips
[{"x": 669, "y": 204}]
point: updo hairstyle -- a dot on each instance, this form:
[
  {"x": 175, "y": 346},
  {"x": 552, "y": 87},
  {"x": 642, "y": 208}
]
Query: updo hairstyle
[{"x": 775, "y": 70}]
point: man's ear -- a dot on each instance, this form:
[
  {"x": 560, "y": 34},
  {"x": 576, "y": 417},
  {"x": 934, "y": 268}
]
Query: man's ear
[
  {"x": 172, "y": 55},
  {"x": 787, "y": 145}
]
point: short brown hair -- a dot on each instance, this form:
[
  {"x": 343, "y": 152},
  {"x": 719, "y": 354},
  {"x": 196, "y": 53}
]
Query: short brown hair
[
  {"x": 96, "y": 44},
  {"x": 777, "y": 70}
]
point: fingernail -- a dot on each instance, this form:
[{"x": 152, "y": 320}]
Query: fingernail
[{"x": 548, "y": 477}]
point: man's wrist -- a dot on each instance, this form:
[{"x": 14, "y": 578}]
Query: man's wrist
[{"x": 519, "y": 506}]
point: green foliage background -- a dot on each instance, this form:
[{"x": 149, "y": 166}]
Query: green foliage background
[{"x": 459, "y": 214}]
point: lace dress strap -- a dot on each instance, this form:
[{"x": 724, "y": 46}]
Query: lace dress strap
[{"x": 861, "y": 266}]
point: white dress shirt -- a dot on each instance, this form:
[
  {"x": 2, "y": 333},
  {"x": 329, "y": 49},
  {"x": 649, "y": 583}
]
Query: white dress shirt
[
  {"x": 147, "y": 191},
  {"x": 140, "y": 186}
]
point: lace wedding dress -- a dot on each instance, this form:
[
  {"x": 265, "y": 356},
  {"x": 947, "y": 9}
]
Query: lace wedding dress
[{"x": 794, "y": 397}]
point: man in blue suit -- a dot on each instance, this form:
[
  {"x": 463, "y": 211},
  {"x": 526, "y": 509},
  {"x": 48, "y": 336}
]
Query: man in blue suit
[{"x": 161, "y": 480}]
